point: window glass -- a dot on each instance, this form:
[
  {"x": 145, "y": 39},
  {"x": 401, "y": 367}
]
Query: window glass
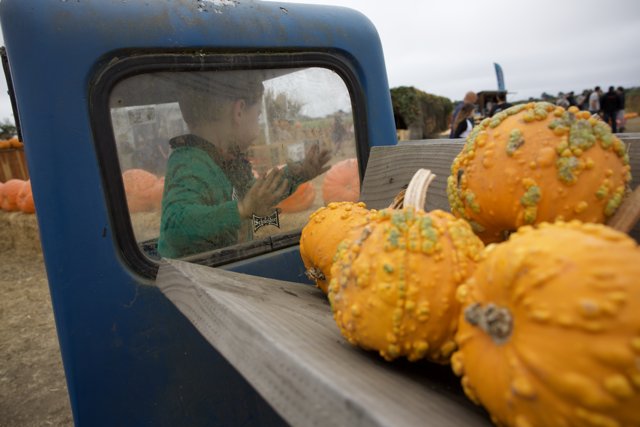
[{"x": 213, "y": 159}]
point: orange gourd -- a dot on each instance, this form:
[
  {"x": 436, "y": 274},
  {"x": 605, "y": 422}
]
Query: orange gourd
[
  {"x": 342, "y": 182},
  {"x": 550, "y": 332},
  {"x": 534, "y": 163},
  {"x": 393, "y": 281},
  {"x": 10, "y": 192},
  {"x": 320, "y": 237},
  {"x": 15, "y": 143},
  {"x": 301, "y": 199},
  {"x": 25, "y": 198},
  {"x": 155, "y": 194},
  {"x": 138, "y": 186}
]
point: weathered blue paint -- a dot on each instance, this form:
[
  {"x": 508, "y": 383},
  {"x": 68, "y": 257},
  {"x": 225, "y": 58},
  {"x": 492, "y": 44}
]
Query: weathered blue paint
[{"x": 130, "y": 357}]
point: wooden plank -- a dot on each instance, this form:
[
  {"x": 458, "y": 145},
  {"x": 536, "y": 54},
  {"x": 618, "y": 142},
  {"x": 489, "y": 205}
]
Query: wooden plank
[
  {"x": 282, "y": 338},
  {"x": 390, "y": 169},
  {"x": 13, "y": 164}
]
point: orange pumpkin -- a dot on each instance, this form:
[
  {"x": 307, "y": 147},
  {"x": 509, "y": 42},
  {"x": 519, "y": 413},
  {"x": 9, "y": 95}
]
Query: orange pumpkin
[
  {"x": 300, "y": 200},
  {"x": 326, "y": 228},
  {"x": 342, "y": 182},
  {"x": 25, "y": 198},
  {"x": 138, "y": 186},
  {"x": 156, "y": 193},
  {"x": 4, "y": 144},
  {"x": 550, "y": 334},
  {"x": 394, "y": 280},
  {"x": 10, "y": 192},
  {"x": 15, "y": 143},
  {"x": 537, "y": 162}
]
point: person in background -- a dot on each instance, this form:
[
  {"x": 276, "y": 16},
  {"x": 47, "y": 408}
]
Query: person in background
[
  {"x": 500, "y": 105},
  {"x": 583, "y": 100},
  {"x": 469, "y": 98},
  {"x": 464, "y": 121},
  {"x": 610, "y": 104},
  {"x": 620, "y": 113},
  {"x": 211, "y": 195},
  {"x": 594, "y": 100},
  {"x": 572, "y": 99},
  {"x": 562, "y": 100}
]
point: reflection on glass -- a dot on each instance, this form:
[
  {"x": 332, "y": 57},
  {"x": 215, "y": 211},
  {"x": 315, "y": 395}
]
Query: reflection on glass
[{"x": 212, "y": 159}]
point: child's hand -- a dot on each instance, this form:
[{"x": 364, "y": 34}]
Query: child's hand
[
  {"x": 314, "y": 163},
  {"x": 264, "y": 195}
]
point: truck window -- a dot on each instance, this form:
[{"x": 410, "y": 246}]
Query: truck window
[{"x": 213, "y": 159}]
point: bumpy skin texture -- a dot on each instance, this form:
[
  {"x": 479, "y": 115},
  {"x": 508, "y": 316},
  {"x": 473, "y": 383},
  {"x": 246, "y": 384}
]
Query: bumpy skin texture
[
  {"x": 326, "y": 228},
  {"x": 550, "y": 330},
  {"x": 394, "y": 281},
  {"x": 534, "y": 163}
]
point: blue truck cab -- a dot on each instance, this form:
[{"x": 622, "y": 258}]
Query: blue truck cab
[{"x": 97, "y": 88}]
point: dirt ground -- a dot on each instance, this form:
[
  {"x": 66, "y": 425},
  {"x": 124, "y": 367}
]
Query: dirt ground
[{"x": 33, "y": 391}]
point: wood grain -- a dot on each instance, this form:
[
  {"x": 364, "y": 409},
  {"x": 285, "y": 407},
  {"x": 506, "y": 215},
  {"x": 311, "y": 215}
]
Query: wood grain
[{"x": 282, "y": 338}]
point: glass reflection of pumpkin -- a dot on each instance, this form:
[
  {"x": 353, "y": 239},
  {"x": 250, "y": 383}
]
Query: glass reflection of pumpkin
[
  {"x": 342, "y": 182},
  {"x": 537, "y": 162},
  {"x": 300, "y": 200}
]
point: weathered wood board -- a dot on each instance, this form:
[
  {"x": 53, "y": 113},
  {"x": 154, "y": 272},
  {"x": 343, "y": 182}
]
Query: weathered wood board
[{"x": 282, "y": 338}]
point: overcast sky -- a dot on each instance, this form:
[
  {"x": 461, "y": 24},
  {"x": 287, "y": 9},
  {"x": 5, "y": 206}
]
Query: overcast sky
[{"x": 447, "y": 47}]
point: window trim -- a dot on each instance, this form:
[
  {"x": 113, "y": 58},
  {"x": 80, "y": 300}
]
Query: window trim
[{"x": 124, "y": 64}]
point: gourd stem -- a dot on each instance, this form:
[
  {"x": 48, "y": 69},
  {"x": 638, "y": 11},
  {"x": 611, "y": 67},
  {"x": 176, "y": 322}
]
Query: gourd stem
[
  {"x": 495, "y": 321},
  {"x": 415, "y": 195}
]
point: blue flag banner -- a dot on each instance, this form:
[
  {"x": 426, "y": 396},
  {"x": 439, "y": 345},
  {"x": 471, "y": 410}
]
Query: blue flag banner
[{"x": 499, "y": 76}]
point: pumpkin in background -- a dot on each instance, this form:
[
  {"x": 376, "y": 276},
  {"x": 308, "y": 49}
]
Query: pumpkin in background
[
  {"x": 301, "y": 199},
  {"x": 15, "y": 143},
  {"x": 4, "y": 144},
  {"x": 550, "y": 334},
  {"x": 393, "y": 281},
  {"x": 341, "y": 182},
  {"x": 25, "y": 198},
  {"x": 10, "y": 191},
  {"x": 138, "y": 186},
  {"x": 326, "y": 228},
  {"x": 534, "y": 163},
  {"x": 156, "y": 193}
]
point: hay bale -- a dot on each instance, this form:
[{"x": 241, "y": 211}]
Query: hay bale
[{"x": 19, "y": 233}]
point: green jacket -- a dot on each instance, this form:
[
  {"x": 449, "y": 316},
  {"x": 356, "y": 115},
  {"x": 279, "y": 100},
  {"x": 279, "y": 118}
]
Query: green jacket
[{"x": 200, "y": 200}]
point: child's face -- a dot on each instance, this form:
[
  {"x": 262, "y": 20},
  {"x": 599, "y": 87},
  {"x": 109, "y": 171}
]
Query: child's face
[{"x": 247, "y": 123}]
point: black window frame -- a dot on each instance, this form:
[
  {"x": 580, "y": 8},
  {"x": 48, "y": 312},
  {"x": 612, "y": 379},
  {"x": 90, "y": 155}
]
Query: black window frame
[{"x": 123, "y": 64}]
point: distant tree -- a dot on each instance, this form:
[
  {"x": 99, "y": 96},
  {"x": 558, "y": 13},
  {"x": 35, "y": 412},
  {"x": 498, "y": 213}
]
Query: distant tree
[
  {"x": 424, "y": 114},
  {"x": 281, "y": 107},
  {"x": 546, "y": 97},
  {"x": 7, "y": 129}
]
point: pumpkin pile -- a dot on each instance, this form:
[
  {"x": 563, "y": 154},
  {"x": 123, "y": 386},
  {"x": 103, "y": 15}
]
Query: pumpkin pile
[
  {"x": 543, "y": 325},
  {"x": 16, "y": 196},
  {"x": 11, "y": 143},
  {"x": 536, "y": 163}
]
